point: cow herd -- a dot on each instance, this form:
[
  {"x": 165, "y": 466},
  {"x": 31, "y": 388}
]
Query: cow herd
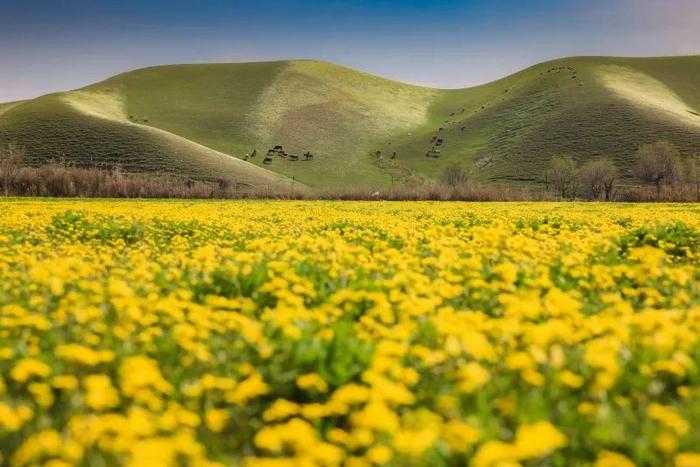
[{"x": 278, "y": 151}]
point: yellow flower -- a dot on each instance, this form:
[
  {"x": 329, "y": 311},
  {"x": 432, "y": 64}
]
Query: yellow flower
[
  {"x": 571, "y": 379},
  {"x": 687, "y": 459},
  {"x": 281, "y": 409},
  {"x": 83, "y": 355},
  {"x": 668, "y": 417},
  {"x": 459, "y": 436},
  {"x": 379, "y": 455},
  {"x": 496, "y": 454},
  {"x": 216, "y": 419},
  {"x": 100, "y": 394},
  {"x": 538, "y": 439},
  {"x": 472, "y": 376},
  {"x": 139, "y": 373},
  {"x": 65, "y": 382},
  {"x": 312, "y": 381},
  {"x": 42, "y": 394},
  {"x": 28, "y": 368}
]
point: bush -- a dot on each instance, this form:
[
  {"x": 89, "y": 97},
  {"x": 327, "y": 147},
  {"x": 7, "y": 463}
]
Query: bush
[
  {"x": 455, "y": 175},
  {"x": 562, "y": 175},
  {"x": 597, "y": 179},
  {"x": 658, "y": 164}
]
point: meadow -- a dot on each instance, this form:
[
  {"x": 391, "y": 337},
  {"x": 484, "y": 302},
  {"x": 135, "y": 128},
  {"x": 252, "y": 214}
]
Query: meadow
[{"x": 279, "y": 333}]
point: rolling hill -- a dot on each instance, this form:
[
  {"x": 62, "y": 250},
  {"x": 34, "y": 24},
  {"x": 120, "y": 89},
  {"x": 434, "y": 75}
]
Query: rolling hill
[{"x": 201, "y": 120}]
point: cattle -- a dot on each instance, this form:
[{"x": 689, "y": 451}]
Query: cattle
[
  {"x": 440, "y": 129},
  {"x": 434, "y": 153},
  {"x": 438, "y": 142},
  {"x": 393, "y": 156},
  {"x": 293, "y": 157},
  {"x": 308, "y": 156},
  {"x": 433, "y": 139},
  {"x": 267, "y": 160},
  {"x": 254, "y": 153}
]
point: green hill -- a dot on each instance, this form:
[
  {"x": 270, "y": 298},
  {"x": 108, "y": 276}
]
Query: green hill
[{"x": 201, "y": 120}]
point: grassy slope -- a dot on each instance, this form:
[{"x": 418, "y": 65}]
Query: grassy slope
[
  {"x": 6, "y": 106},
  {"x": 336, "y": 113},
  {"x": 87, "y": 129},
  {"x": 548, "y": 112},
  {"x": 509, "y": 128}
]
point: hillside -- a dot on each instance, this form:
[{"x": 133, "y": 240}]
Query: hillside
[{"x": 201, "y": 120}]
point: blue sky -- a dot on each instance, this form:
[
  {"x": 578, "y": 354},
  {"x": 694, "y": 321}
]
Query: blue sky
[{"x": 53, "y": 45}]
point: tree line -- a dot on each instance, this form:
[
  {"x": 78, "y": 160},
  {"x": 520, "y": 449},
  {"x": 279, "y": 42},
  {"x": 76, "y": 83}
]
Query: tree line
[{"x": 658, "y": 165}]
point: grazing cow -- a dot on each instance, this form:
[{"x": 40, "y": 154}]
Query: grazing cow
[
  {"x": 433, "y": 153},
  {"x": 393, "y": 156},
  {"x": 438, "y": 142},
  {"x": 308, "y": 156},
  {"x": 378, "y": 154},
  {"x": 254, "y": 153},
  {"x": 463, "y": 128},
  {"x": 440, "y": 129},
  {"x": 278, "y": 148},
  {"x": 433, "y": 139},
  {"x": 293, "y": 157},
  {"x": 267, "y": 160}
]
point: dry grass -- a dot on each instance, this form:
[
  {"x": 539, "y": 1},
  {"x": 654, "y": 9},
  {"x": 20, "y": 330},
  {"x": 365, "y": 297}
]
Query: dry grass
[
  {"x": 61, "y": 181},
  {"x": 56, "y": 180}
]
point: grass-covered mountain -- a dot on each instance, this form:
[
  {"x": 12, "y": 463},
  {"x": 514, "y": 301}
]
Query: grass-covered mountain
[{"x": 201, "y": 120}]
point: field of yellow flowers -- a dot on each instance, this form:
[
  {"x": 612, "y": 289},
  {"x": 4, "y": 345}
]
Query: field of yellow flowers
[{"x": 330, "y": 333}]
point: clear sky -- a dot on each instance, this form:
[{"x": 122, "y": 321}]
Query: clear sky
[{"x": 53, "y": 45}]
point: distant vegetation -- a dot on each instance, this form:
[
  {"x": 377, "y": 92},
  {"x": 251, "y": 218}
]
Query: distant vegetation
[
  {"x": 205, "y": 122},
  {"x": 662, "y": 176},
  {"x": 658, "y": 165}
]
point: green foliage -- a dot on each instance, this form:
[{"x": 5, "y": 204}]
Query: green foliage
[{"x": 677, "y": 240}]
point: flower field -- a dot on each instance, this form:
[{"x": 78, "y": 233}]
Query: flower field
[{"x": 358, "y": 334}]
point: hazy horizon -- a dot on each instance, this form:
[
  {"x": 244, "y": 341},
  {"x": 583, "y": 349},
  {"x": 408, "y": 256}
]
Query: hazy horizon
[{"x": 47, "y": 47}]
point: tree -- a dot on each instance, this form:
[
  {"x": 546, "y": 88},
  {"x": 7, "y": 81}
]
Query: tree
[
  {"x": 562, "y": 175},
  {"x": 658, "y": 164},
  {"x": 11, "y": 158},
  {"x": 455, "y": 175},
  {"x": 597, "y": 178}
]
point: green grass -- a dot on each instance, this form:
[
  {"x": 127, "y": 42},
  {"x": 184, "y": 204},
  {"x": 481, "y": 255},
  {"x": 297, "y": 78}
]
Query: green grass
[
  {"x": 52, "y": 130},
  {"x": 6, "y": 106},
  {"x": 509, "y": 128}
]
